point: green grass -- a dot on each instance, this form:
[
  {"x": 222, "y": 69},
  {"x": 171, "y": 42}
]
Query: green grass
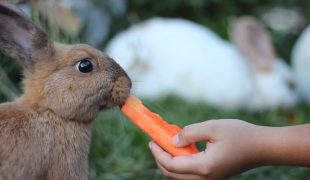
[{"x": 120, "y": 150}]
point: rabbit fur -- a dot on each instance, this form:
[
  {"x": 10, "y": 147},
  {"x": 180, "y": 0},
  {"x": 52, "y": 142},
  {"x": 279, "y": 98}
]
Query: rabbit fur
[
  {"x": 176, "y": 56},
  {"x": 45, "y": 134},
  {"x": 301, "y": 65}
]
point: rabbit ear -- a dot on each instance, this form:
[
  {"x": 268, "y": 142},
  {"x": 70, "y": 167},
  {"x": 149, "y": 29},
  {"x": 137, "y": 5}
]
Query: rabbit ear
[
  {"x": 19, "y": 37},
  {"x": 253, "y": 41}
]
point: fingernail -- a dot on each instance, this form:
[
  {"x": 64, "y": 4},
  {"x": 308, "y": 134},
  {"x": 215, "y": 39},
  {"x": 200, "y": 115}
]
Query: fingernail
[
  {"x": 150, "y": 144},
  {"x": 175, "y": 140}
]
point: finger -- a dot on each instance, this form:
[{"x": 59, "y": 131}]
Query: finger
[
  {"x": 158, "y": 152},
  {"x": 177, "y": 176},
  {"x": 178, "y": 164},
  {"x": 195, "y": 132}
]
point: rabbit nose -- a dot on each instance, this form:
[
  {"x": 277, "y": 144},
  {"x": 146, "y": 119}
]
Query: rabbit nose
[
  {"x": 117, "y": 71},
  {"x": 122, "y": 73},
  {"x": 121, "y": 84}
]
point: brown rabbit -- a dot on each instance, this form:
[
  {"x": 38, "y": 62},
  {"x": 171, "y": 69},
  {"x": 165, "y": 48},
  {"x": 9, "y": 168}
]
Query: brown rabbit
[{"x": 45, "y": 134}]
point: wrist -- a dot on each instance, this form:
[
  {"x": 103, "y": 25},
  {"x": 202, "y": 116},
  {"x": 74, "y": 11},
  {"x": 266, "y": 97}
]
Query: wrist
[
  {"x": 284, "y": 145},
  {"x": 265, "y": 137},
  {"x": 258, "y": 148}
]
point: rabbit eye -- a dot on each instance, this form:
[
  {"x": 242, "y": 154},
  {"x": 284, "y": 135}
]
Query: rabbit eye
[{"x": 85, "y": 66}]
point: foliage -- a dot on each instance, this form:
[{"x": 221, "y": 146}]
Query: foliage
[{"x": 9, "y": 79}]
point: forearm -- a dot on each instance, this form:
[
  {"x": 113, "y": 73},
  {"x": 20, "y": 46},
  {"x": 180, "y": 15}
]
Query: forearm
[{"x": 285, "y": 145}]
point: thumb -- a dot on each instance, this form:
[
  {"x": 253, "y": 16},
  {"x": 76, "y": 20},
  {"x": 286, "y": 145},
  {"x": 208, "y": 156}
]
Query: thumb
[{"x": 194, "y": 133}]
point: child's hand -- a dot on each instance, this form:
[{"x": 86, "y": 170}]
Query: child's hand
[{"x": 231, "y": 148}]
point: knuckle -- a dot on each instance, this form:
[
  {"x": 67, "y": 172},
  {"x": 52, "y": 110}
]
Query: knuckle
[{"x": 212, "y": 125}]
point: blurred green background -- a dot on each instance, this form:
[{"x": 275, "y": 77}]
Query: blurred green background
[{"x": 119, "y": 150}]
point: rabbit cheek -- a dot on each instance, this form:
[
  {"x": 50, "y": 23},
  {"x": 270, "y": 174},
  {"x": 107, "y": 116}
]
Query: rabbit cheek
[{"x": 71, "y": 100}]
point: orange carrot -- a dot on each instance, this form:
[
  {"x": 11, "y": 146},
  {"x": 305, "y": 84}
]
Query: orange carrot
[{"x": 156, "y": 127}]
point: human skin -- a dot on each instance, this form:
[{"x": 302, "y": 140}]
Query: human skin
[{"x": 232, "y": 147}]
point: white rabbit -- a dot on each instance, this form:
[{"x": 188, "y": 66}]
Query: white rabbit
[
  {"x": 301, "y": 65},
  {"x": 165, "y": 56}
]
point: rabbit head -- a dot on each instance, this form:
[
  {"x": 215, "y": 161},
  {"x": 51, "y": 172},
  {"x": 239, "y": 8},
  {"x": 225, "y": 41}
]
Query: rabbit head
[
  {"x": 272, "y": 77},
  {"x": 73, "y": 81}
]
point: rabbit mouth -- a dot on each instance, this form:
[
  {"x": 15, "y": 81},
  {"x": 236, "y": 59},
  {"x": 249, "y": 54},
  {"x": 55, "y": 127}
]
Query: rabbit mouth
[{"x": 119, "y": 93}]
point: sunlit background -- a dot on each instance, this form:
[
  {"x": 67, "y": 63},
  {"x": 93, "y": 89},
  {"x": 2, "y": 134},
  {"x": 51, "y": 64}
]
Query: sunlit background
[{"x": 185, "y": 66}]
